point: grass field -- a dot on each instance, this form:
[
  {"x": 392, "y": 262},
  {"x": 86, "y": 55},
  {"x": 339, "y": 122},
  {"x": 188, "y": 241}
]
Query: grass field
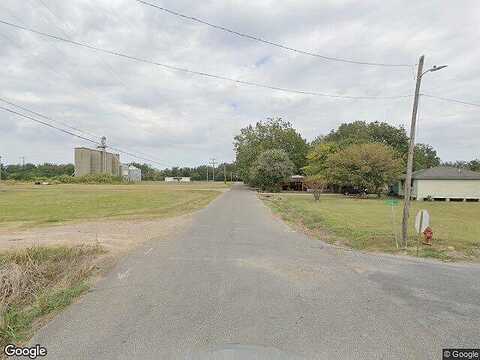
[
  {"x": 367, "y": 223},
  {"x": 23, "y": 205}
]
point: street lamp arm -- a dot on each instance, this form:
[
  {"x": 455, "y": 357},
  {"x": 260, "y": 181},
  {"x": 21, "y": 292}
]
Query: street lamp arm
[{"x": 434, "y": 68}]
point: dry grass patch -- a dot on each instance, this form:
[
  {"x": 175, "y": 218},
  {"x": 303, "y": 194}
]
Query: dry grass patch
[{"x": 37, "y": 281}]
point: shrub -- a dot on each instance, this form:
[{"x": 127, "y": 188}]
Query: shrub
[{"x": 90, "y": 179}]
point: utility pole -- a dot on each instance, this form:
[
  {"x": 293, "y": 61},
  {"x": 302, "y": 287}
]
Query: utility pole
[
  {"x": 411, "y": 148},
  {"x": 224, "y": 173},
  {"x": 207, "y": 172},
  {"x": 22, "y": 159},
  {"x": 0, "y": 168},
  {"x": 213, "y": 160}
]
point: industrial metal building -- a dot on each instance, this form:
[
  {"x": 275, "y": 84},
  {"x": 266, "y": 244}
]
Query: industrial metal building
[
  {"x": 92, "y": 161},
  {"x": 131, "y": 173}
]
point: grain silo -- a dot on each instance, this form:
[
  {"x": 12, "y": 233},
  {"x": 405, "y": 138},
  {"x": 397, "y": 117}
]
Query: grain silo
[{"x": 93, "y": 161}]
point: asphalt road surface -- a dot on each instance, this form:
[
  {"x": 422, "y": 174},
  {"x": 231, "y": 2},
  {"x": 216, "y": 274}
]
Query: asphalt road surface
[{"x": 240, "y": 284}]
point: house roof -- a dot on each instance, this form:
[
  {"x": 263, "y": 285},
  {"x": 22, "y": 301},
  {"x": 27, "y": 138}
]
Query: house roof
[{"x": 445, "y": 173}]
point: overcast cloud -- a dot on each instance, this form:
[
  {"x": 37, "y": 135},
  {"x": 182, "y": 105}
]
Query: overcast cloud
[{"x": 182, "y": 119}]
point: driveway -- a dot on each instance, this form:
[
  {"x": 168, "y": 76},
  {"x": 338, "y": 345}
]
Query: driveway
[{"x": 239, "y": 284}]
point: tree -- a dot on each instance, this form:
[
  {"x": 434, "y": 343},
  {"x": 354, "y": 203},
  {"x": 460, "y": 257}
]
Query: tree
[
  {"x": 361, "y": 132},
  {"x": 32, "y": 171},
  {"x": 271, "y": 169},
  {"x": 275, "y": 133},
  {"x": 473, "y": 165},
  {"x": 317, "y": 183},
  {"x": 317, "y": 157},
  {"x": 425, "y": 157},
  {"x": 148, "y": 173},
  {"x": 366, "y": 166}
]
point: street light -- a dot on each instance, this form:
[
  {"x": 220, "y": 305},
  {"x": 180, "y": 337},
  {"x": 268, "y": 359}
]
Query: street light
[
  {"x": 411, "y": 147},
  {"x": 434, "y": 68}
]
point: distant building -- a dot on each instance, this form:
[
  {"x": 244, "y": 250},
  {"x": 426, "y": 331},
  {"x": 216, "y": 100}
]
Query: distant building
[
  {"x": 177, "y": 179},
  {"x": 130, "y": 173},
  {"x": 92, "y": 161},
  {"x": 444, "y": 183}
]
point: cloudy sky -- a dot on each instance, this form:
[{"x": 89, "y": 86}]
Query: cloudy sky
[{"x": 184, "y": 119}]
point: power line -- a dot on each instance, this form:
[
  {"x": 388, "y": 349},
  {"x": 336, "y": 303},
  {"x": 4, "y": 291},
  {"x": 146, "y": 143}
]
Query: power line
[
  {"x": 199, "y": 73},
  {"x": 79, "y": 136},
  {"x": 49, "y": 125},
  {"x": 52, "y": 13},
  {"x": 48, "y": 118},
  {"x": 268, "y": 42},
  {"x": 451, "y": 100},
  {"x": 91, "y": 93}
]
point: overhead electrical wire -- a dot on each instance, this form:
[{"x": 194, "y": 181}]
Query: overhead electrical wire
[
  {"x": 86, "y": 133},
  {"x": 115, "y": 148},
  {"x": 268, "y": 42},
  {"x": 68, "y": 36},
  {"x": 49, "y": 125},
  {"x": 199, "y": 73},
  {"x": 91, "y": 93},
  {"x": 451, "y": 100}
]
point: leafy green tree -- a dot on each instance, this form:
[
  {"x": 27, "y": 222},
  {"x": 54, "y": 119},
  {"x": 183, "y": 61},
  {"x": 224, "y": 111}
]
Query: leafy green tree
[
  {"x": 425, "y": 157},
  {"x": 317, "y": 157},
  {"x": 361, "y": 132},
  {"x": 366, "y": 166},
  {"x": 473, "y": 165},
  {"x": 274, "y": 133},
  {"x": 271, "y": 169},
  {"x": 30, "y": 171}
]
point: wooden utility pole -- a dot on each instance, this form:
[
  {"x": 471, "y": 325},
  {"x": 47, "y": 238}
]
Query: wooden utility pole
[
  {"x": 224, "y": 173},
  {"x": 411, "y": 148}
]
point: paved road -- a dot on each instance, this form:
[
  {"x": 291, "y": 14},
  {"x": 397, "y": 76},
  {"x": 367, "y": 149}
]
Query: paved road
[{"x": 239, "y": 284}]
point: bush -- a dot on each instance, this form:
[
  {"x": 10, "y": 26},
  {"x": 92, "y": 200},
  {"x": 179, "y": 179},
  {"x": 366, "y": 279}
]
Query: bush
[
  {"x": 90, "y": 179},
  {"x": 271, "y": 169}
]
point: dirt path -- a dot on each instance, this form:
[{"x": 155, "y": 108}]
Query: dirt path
[{"x": 117, "y": 236}]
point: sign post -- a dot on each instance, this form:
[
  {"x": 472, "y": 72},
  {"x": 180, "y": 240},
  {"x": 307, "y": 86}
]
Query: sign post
[
  {"x": 392, "y": 203},
  {"x": 422, "y": 221}
]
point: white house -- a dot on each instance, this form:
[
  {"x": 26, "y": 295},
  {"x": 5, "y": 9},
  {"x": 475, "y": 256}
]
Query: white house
[{"x": 444, "y": 183}]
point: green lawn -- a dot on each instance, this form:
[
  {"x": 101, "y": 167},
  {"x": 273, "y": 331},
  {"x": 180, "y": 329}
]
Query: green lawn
[
  {"x": 27, "y": 205},
  {"x": 367, "y": 223}
]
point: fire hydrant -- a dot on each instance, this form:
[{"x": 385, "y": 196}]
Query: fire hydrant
[{"x": 428, "y": 236}]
